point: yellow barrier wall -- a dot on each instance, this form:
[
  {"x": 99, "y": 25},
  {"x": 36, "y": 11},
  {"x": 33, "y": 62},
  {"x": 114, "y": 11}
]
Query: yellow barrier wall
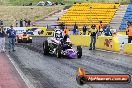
[
  {"x": 81, "y": 32},
  {"x": 49, "y": 33},
  {"x": 83, "y": 40},
  {"x": 128, "y": 48},
  {"x": 108, "y": 43},
  {"x": 122, "y": 32},
  {"x": 103, "y": 42}
]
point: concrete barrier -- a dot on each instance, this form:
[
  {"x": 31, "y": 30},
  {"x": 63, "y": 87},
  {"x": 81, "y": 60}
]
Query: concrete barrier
[
  {"x": 127, "y": 48},
  {"x": 103, "y": 42}
]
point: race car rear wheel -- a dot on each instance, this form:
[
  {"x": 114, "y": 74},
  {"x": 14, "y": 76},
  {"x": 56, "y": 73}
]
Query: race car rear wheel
[
  {"x": 46, "y": 48},
  {"x": 58, "y": 52},
  {"x": 79, "y": 51}
]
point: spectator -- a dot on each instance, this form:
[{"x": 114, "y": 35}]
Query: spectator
[
  {"x": 1, "y": 22},
  {"x": 21, "y": 23},
  {"x": 62, "y": 3},
  {"x": 107, "y": 31},
  {"x": 58, "y": 19},
  {"x": 28, "y": 23},
  {"x": 128, "y": 25},
  {"x": 39, "y": 32},
  {"x": 100, "y": 28},
  {"x": 62, "y": 26},
  {"x": 56, "y": 3},
  {"x": 42, "y": 32},
  {"x": 84, "y": 29},
  {"x": 66, "y": 31},
  {"x": 11, "y": 36},
  {"x": 17, "y": 23},
  {"x": 75, "y": 26},
  {"x": 74, "y": 31},
  {"x": 129, "y": 33},
  {"x": 2, "y": 39},
  {"x": 93, "y": 32},
  {"x": 30, "y": 4},
  {"x": 78, "y": 32},
  {"x": 47, "y": 27}
]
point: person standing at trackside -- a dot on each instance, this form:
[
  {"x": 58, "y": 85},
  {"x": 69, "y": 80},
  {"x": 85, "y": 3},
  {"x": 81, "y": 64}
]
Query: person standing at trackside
[
  {"x": 66, "y": 32},
  {"x": 21, "y": 23},
  {"x": 2, "y": 39},
  {"x": 29, "y": 23},
  {"x": 106, "y": 30},
  {"x": 17, "y": 22},
  {"x": 129, "y": 33},
  {"x": 100, "y": 28},
  {"x": 62, "y": 26},
  {"x": 93, "y": 31},
  {"x": 11, "y": 36},
  {"x": 128, "y": 25},
  {"x": 75, "y": 29},
  {"x": 1, "y": 22},
  {"x": 84, "y": 29}
]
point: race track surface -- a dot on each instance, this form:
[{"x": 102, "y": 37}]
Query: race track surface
[{"x": 50, "y": 72}]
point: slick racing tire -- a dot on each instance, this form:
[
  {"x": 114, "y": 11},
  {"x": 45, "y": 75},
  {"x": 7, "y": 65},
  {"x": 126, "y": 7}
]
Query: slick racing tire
[
  {"x": 19, "y": 40},
  {"x": 25, "y": 40},
  {"x": 30, "y": 41},
  {"x": 46, "y": 48},
  {"x": 58, "y": 52},
  {"x": 79, "y": 51}
]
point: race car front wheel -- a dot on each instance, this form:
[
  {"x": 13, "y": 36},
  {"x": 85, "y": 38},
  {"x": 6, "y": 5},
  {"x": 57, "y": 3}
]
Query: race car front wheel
[
  {"x": 79, "y": 51},
  {"x": 30, "y": 40},
  {"x": 58, "y": 52},
  {"x": 46, "y": 48},
  {"x": 19, "y": 40}
]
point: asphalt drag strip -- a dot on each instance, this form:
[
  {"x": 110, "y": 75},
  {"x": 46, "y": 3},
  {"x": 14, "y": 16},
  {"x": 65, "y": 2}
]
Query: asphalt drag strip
[{"x": 50, "y": 72}]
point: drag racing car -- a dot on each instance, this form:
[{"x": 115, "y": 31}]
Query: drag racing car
[
  {"x": 61, "y": 46},
  {"x": 24, "y": 38}
]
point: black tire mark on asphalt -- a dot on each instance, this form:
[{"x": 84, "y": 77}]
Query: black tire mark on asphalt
[
  {"x": 75, "y": 66},
  {"x": 38, "y": 48},
  {"x": 124, "y": 69}
]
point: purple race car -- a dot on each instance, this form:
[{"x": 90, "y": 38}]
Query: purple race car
[{"x": 60, "y": 48}]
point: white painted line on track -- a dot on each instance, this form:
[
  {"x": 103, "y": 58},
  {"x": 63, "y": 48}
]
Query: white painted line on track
[{"x": 24, "y": 78}]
